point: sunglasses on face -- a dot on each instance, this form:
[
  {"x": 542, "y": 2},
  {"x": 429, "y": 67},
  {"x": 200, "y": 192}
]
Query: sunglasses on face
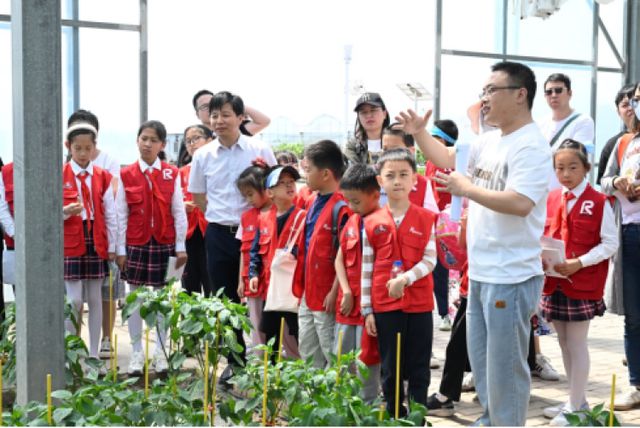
[{"x": 556, "y": 91}]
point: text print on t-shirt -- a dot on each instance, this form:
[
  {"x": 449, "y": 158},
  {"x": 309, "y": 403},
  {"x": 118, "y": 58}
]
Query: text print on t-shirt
[{"x": 491, "y": 176}]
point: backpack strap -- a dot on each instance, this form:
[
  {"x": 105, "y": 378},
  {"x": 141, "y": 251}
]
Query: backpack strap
[
  {"x": 622, "y": 146},
  {"x": 559, "y": 133},
  {"x": 335, "y": 224}
]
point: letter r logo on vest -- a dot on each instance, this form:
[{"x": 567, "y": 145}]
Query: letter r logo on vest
[
  {"x": 587, "y": 207},
  {"x": 415, "y": 232},
  {"x": 167, "y": 174},
  {"x": 379, "y": 229}
]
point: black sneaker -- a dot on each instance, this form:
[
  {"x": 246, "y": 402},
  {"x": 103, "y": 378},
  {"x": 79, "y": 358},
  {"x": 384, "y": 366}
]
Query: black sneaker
[
  {"x": 225, "y": 376},
  {"x": 438, "y": 408}
]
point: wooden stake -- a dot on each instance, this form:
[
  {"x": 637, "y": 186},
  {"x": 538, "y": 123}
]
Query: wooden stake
[
  {"x": 339, "y": 355},
  {"x": 114, "y": 367},
  {"x": 214, "y": 388},
  {"x": 264, "y": 389},
  {"x": 381, "y": 412},
  {"x": 146, "y": 364},
  {"x": 281, "y": 339},
  {"x": 206, "y": 380},
  {"x": 397, "y": 409},
  {"x": 49, "y": 406},
  {"x": 613, "y": 399}
]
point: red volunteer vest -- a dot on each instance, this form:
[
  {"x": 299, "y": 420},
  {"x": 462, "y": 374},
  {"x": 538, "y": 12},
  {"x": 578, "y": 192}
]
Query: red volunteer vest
[
  {"x": 406, "y": 243},
  {"x": 73, "y": 231},
  {"x": 418, "y": 193},
  {"x": 301, "y": 197},
  {"x": 270, "y": 242},
  {"x": 584, "y": 223},
  {"x": 315, "y": 278},
  {"x": 7, "y": 178},
  {"x": 352, "y": 258},
  {"x": 195, "y": 217},
  {"x": 149, "y": 210},
  {"x": 442, "y": 198},
  {"x": 249, "y": 222}
]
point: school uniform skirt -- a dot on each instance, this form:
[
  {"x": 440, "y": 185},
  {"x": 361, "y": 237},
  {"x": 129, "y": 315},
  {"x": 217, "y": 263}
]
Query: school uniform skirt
[
  {"x": 147, "y": 264},
  {"x": 89, "y": 266},
  {"x": 559, "y": 307}
]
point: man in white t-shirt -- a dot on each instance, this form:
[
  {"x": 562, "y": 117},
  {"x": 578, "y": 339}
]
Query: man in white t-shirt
[
  {"x": 509, "y": 172},
  {"x": 564, "y": 122}
]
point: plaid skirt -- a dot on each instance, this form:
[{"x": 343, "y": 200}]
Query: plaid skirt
[
  {"x": 562, "y": 308},
  {"x": 89, "y": 266},
  {"x": 147, "y": 264}
]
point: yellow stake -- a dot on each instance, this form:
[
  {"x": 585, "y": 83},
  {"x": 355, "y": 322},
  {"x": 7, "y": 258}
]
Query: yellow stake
[
  {"x": 49, "y": 413},
  {"x": 215, "y": 371},
  {"x": 114, "y": 367},
  {"x": 281, "y": 338},
  {"x": 146, "y": 365},
  {"x": 264, "y": 389},
  {"x": 111, "y": 314},
  {"x": 613, "y": 398},
  {"x": 206, "y": 379},
  {"x": 0, "y": 391},
  {"x": 397, "y": 409},
  {"x": 339, "y": 355},
  {"x": 381, "y": 412}
]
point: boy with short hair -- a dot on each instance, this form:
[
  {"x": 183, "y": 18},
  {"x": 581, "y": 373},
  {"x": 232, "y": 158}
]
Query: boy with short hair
[
  {"x": 360, "y": 187},
  {"x": 316, "y": 283}
]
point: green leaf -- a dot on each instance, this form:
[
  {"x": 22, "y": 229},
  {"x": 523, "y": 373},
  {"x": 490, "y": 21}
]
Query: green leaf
[
  {"x": 62, "y": 394},
  {"x": 573, "y": 419},
  {"x": 60, "y": 414}
]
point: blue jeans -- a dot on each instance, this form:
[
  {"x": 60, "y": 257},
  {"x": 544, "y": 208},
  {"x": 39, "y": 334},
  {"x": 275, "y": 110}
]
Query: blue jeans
[
  {"x": 631, "y": 298},
  {"x": 498, "y": 342}
]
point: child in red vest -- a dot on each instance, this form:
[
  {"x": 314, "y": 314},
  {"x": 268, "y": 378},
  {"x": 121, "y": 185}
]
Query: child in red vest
[
  {"x": 360, "y": 187},
  {"x": 276, "y": 227},
  {"x": 6, "y": 220},
  {"x": 398, "y": 255},
  {"x": 582, "y": 218},
  {"x": 152, "y": 226},
  {"x": 251, "y": 185},
  {"x": 195, "y": 278},
  {"x": 90, "y": 228},
  {"x": 316, "y": 283}
]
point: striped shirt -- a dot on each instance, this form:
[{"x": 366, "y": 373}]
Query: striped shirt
[{"x": 419, "y": 271}]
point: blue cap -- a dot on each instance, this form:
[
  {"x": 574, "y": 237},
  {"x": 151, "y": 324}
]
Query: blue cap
[{"x": 274, "y": 176}]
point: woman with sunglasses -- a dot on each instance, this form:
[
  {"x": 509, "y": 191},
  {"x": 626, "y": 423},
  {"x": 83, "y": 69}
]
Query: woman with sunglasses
[
  {"x": 373, "y": 117},
  {"x": 195, "y": 277}
]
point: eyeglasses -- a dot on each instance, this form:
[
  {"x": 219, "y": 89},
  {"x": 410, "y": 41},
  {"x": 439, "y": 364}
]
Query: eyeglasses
[
  {"x": 203, "y": 107},
  {"x": 490, "y": 90},
  {"x": 634, "y": 103},
  {"x": 193, "y": 140},
  {"x": 556, "y": 91}
]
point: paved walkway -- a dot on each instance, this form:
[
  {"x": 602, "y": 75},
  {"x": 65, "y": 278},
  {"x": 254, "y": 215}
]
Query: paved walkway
[{"x": 606, "y": 346}]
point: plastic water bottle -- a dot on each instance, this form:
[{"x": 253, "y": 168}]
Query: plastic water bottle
[{"x": 396, "y": 269}]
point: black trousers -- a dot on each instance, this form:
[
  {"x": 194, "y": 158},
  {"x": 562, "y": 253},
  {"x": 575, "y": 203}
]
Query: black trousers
[
  {"x": 223, "y": 264},
  {"x": 196, "y": 276},
  {"x": 270, "y": 326},
  {"x": 531, "y": 357},
  {"x": 416, "y": 340},
  {"x": 457, "y": 358},
  {"x": 441, "y": 288}
]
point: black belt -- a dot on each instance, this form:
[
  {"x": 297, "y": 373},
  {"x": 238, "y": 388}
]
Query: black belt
[{"x": 231, "y": 229}]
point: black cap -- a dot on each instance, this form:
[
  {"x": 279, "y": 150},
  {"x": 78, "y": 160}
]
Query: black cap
[{"x": 371, "y": 98}]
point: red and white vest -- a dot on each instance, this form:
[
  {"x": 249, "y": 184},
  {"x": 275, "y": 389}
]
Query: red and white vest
[
  {"x": 406, "y": 243},
  {"x": 7, "y": 178},
  {"x": 584, "y": 222},
  {"x": 249, "y": 221},
  {"x": 74, "y": 245},
  {"x": 351, "y": 246},
  {"x": 195, "y": 217},
  {"x": 149, "y": 209}
]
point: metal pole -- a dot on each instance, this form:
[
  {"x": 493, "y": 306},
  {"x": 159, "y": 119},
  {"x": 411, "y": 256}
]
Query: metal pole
[
  {"x": 632, "y": 44},
  {"x": 594, "y": 80},
  {"x": 438, "y": 62},
  {"x": 144, "y": 82},
  {"x": 75, "y": 49},
  {"x": 347, "y": 61},
  {"x": 36, "y": 34}
]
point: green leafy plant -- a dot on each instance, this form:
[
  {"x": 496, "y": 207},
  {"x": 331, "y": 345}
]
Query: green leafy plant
[
  {"x": 596, "y": 417},
  {"x": 295, "y": 148}
]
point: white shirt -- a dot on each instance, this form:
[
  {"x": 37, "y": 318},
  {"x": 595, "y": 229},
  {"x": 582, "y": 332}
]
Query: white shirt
[
  {"x": 505, "y": 248},
  {"x": 630, "y": 168},
  {"x": 6, "y": 219},
  {"x": 108, "y": 202},
  {"x": 608, "y": 230},
  {"x": 214, "y": 171},
  {"x": 108, "y": 163},
  {"x": 177, "y": 211}
]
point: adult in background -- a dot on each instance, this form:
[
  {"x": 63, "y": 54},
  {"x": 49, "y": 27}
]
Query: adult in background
[
  {"x": 373, "y": 118},
  {"x": 509, "y": 172},
  {"x": 212, "y": 182},
  {"x": 626, "y": 114},
  {"x": 620, "y": 177}
]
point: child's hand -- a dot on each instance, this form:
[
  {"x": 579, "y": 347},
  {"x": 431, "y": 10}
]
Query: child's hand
[
  {"x": 370, "y": 325},
  {"x": 329, "y": 303},
  {"x": 74, "y": 208},
  {"x": 189, "y": 206},
  {"x": 241, "y": 288},
  {"x": 253, "y": 284},
  {"x": 396, "y": 286},
  {"x": 346, "y": 305},
  {"x": 121, "y": 261},
  {"x": 411, "y": 122},
  {"x": 568, "y": 268},
  {"x": 181, "y": 258}
]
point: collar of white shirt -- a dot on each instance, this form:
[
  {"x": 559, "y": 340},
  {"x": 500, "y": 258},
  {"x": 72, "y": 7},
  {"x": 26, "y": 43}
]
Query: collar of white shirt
[
  {"x": 144, "y": 166},
  {"x": 241, "y": 143},
  {"x": 77, "y": 169},
  {"x": 578, "y": 190}
]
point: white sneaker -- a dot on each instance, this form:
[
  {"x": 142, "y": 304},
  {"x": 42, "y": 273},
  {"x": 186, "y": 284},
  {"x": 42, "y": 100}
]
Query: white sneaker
[
  {"x": 136, "y": 363},
  {"x": 544, "y": 370},
  {"x": 627, "y": 400},
  {"x": 160, "y": 363},
  {"x": 468, "y": 384},
  {"x": 445, "y": 323},
  {"x": 105, "y": 348},
  {"x": 559, "y": 420},
  {"x": 552, "y": 412},
  {"x": 434, "y": 363}
]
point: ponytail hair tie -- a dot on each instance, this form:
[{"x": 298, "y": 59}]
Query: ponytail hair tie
[{"x": 260, "y": 162}]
